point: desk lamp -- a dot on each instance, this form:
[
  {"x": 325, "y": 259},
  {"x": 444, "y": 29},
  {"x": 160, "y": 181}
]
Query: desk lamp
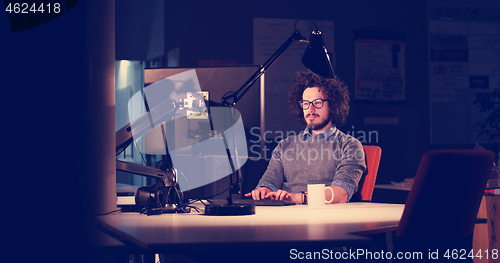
[{"x": 316, "y": 59}]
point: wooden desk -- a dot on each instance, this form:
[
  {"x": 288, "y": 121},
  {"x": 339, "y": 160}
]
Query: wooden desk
[
  {"x": 486, "y": 235},
  {"x": 290, "y": 225}
]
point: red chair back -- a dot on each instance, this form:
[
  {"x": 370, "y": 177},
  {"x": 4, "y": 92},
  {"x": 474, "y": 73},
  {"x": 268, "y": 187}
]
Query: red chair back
[{"x": 367, "y": 182}]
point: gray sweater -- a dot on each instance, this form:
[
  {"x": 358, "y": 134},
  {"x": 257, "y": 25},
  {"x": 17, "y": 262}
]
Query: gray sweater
[{"x": 330, "y": 158}]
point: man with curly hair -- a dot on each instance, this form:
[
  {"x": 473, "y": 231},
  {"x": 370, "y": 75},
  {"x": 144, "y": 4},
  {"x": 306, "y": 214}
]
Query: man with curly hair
[{"x": 321, "y": 154}]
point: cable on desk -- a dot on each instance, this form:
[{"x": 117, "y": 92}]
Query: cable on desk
[
  {"x": 194, "y": 207},
  {"x": 207, "y": 197},
  {"x": 114, "y": 211},
  {"x": 493, "y": 216}
]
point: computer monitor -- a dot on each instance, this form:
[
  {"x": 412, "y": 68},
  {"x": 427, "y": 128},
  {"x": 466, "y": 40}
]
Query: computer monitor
[{"x": 178, "y": 125}]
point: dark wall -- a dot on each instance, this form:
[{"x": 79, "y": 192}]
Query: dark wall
[
  {"x": 222, "y": 30},
  {"x": 50, "y": 101},
  {"x": 42, "y": 71}
]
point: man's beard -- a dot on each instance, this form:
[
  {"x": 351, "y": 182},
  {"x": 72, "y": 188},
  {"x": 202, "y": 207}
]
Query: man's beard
[{"x": 318, "y": 126}]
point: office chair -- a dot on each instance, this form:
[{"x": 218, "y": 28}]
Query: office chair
[
  {"x": 367, "y": 182},
  {"x": 442, "y": 206}
]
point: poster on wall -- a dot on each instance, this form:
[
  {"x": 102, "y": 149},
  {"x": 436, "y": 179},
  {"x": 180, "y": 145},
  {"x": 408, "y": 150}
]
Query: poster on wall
[{"x": 379, "y": 66}]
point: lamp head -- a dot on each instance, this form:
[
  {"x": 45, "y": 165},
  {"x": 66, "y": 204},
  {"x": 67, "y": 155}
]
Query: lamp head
[{"x": 316, "y": 56}]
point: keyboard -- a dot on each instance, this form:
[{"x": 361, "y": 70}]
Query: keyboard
[{"x": 265, "y": 202}]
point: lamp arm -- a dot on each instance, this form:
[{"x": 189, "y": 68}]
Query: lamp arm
[
  {"x": 143, "y": 170},
  {"x": 237, "y": 95}
]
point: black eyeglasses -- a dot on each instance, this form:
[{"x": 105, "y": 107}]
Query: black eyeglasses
[{"x": 317, "y": 103}]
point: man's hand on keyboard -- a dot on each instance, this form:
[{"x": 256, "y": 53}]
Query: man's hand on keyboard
[
  {"x": 259, "y": 193},
  {"x": 284, "y": 195}
]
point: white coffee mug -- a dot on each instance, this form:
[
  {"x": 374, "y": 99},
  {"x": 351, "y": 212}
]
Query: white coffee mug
[{"x": 316, "y": 195}]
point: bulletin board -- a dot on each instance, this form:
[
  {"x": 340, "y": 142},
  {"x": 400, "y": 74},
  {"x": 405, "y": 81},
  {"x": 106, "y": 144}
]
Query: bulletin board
[
  {"x": 464, "y": 60},
  {"x": 379, "y": 66}
]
